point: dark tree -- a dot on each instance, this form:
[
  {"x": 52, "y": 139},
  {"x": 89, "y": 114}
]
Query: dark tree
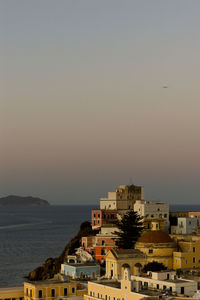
[
  {"x": 154, "y": 266},
  {"x": 130, "y": 227}
]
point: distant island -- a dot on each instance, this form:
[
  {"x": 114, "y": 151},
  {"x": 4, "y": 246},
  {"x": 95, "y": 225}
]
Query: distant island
[{"x": 13, "y": 200}]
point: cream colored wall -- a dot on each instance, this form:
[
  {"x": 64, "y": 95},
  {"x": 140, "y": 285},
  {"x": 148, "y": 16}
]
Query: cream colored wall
[
  {"x": 100, "y": 291},
  {"x": 190, "y": 287},
  {"x": 108, "y": 204}
]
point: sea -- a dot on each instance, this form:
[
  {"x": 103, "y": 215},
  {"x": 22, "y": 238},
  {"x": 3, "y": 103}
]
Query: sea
[{"x": 30, "y": 235}]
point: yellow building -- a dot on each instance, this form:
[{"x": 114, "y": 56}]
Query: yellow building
[
  {"x": 52, "y": 289},
  {"x": 189, "y": 255},
  {"x": 114, "y": 290},
  {"x": 8, "y": 293},
  {"x": 174, "y": 251},
  {"x": 115, "y": 260},
  {"x": 158, "y": 246}
]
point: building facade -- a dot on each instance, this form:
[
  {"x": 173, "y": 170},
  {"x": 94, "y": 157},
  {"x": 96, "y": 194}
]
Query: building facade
[
  {"x": 186, "y": 225},
  {"x": 114, "y": 290},
  {"x": 81, "y": 270},
  {"x": 101, "y": 217},
  {"x": 52, "y": 289},
  {"x": 16, "y": 292},
  {"x": 157, "y": 246},
  {"x": 115, "y": 260},
  {"x": 153, "y": 210},
  {"x": 167, "y": 281},
  {"x": 123, "y": 198}
]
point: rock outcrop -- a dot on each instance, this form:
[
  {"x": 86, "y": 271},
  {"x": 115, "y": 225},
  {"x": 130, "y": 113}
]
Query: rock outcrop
[{"x": 52, "y": 265}]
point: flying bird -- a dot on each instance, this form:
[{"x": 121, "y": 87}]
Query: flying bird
[{"x": 165, "y": 87}]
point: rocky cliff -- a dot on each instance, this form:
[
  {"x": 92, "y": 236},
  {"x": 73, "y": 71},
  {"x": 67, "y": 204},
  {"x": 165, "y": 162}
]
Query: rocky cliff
[{"x": 52, "y": 265}]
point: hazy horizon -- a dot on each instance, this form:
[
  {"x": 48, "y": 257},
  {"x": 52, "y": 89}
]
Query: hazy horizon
[{"x": 84, "y": 106}]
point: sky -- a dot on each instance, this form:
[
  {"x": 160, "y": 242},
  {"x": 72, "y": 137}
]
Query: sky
[{"x": 83, "y": 108}]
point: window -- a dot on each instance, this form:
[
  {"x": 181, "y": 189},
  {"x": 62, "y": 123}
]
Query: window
[
  {"x": 194, "y": 249},
  {"x": 73, "y": 290},
  {"x": 21, "y": 298},
  {"x": 26, "y": 292},
  {"x": 158, "y": 209},
  {"x": 164, "y": 287},
  {"x": 94, "y": 222},
  {"x": 98, "y": 295},
  {"x": 98, "y": 221},
  {"x": 158, "y": 286},
  {"x": 152, "y": 216},
  {"x": 150, "y": 250},
  {"x": 13, "y": 298},
  {"x": 30, "y": 293},
  {"x": 103, "y": 251},
  {"x": 65, "y": 291},
  {"x": 40, "y": 294},
  {"x": 102, "y": 242},
  {"x": 94, "y": 215},
  {"x": 165, "y": 215},
  {"x": 98, "y": 215},
  {"x": 186, "y": 261},
  {"x": 53, "y": 293},
  {"x": 194, "y": 260},
  {"x": 105, "y": 297},
  {"x": 90, "y": 293}
]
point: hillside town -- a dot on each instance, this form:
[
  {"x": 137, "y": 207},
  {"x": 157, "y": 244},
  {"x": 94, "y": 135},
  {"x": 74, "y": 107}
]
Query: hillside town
[{"x": 136, "y": 249}]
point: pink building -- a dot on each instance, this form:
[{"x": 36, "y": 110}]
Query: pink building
[{"x": 102, "y": 216}]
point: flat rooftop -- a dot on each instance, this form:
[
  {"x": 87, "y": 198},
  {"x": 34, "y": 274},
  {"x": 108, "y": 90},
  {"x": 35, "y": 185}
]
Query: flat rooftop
[
  {"x": 12, "y": 288},
  {"x": 49, "y": 281},
  {"x": 82, "y": 264}
]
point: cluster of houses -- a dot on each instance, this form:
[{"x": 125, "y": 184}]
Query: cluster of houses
[{"x": 170, "y": 238}]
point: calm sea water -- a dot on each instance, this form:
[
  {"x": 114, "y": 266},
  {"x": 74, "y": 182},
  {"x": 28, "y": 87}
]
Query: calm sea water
[{"x": 30, "y": 235}]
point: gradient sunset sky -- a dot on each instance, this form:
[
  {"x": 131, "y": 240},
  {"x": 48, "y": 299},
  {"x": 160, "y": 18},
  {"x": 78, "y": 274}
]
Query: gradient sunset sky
[{"x": 83, "y": 108}]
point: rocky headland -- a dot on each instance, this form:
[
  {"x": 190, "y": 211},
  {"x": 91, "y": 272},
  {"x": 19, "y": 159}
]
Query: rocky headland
[{"x": 14, "y": 200}]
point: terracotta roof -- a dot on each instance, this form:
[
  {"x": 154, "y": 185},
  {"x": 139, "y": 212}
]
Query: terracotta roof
[{"x": 155, "y": 236}]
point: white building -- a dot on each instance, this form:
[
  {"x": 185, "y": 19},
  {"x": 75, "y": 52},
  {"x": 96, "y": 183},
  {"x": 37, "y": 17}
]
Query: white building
[
  {"x": 186, "y": 226},
  {"x": 153, "y": 210},
  {"x": 167, "y": 281},
  {"x": 123, "y": 198}
]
